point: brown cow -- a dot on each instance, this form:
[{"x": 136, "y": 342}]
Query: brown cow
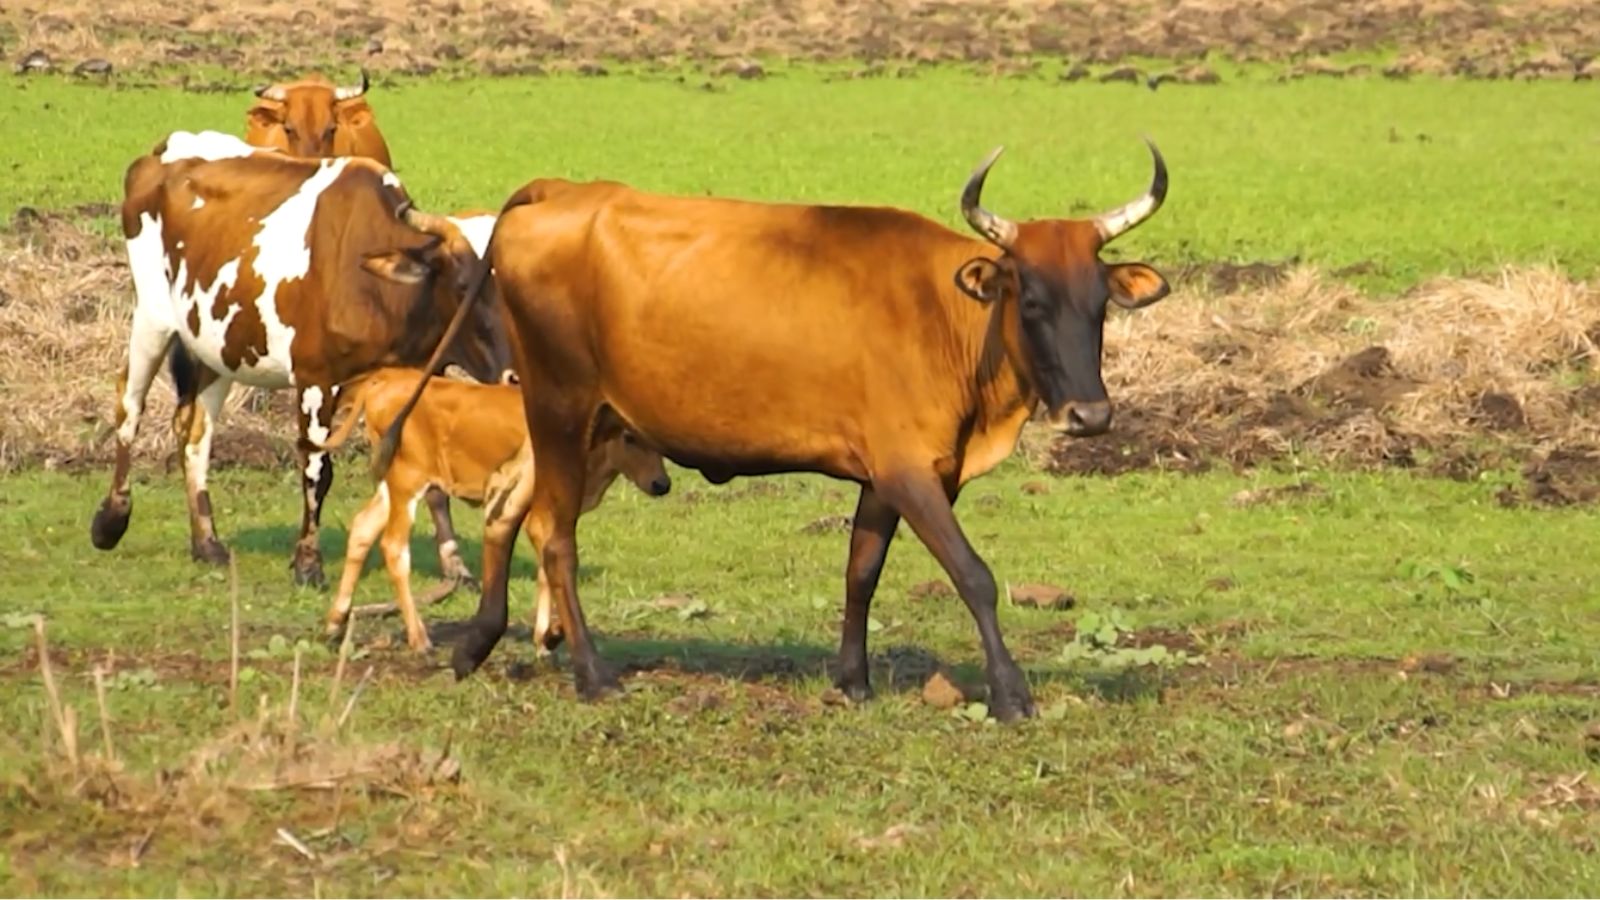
[
  {"x": 738, "y": 338},
  {"x": 471, "y": 441},
  {"x": 279, "y": 272},
  {"x": 315, "y": 119}
]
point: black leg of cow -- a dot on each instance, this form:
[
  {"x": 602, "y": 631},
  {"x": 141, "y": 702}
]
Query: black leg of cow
[
  {"x": 316, "y": 477},
  {"x": 451, "y": 566},
  {"x": 505, "y": 506},
  {"x": 198, "y": 424},
  {"x": 875, "y": 524},
  {"x": 925, "y": 505}
]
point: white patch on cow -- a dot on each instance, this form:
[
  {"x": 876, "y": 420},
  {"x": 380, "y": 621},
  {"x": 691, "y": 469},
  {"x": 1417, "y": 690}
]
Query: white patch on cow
[
  {"x": 207, "y": 343},
  {"x": 284, "y": 254},
  {"x": 152, "y": 321},
  {"x": 207, "y": 145},
  {"x": 199, "y": 201},
  {"x": 311, "y": 405},
  {"x": 448, "y": 548},
  {"x": 477, "y": 230},
  {"x": 177, "y": 246},
  {"x": 314, "y": 468},
  {"x": 391, "y": 179}
]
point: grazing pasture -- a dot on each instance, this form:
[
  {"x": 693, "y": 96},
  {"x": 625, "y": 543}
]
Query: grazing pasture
[{"x": 1318, "y": 617}]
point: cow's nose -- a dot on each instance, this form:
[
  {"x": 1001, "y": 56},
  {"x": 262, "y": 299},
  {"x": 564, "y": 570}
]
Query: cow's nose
[
  {"x": 660, "y": 486},
  {"x": 1088, "y": 419}
]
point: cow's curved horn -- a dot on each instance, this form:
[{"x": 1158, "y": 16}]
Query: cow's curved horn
[
  {"x": 342, "y": 94},
  {"x": 998, "y": 231},
  {"x": 271, "y": 92},
  {"x": 1122, "y": 219},
  {"x": 427, "y": 223}
]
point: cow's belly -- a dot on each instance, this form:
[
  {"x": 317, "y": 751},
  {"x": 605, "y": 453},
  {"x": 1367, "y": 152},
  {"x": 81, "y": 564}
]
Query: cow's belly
[{"x": 247, "y": 342}]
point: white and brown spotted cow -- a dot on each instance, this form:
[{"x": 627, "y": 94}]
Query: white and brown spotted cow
[{"x": 278, "y": 272}]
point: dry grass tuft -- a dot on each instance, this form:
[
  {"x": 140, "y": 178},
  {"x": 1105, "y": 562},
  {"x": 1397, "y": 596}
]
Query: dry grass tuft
[{"x": 211, "y": 789}]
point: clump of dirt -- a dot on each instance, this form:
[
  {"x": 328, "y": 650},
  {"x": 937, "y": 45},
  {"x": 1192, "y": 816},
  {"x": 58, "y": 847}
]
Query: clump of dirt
[
  {"x": 1455, "y": 38},
  {"x": 1467, "y": 374}
]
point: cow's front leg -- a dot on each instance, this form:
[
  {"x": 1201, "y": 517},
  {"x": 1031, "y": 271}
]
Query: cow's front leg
[
  {"x": 197, "y": 434},
  {"x": 316, "y": 476}
]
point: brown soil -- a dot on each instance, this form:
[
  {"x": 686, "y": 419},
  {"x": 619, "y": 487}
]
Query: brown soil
[{"x": 1463, "y": 38}]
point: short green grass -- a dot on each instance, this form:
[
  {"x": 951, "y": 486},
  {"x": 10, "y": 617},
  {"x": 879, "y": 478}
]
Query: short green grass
[
  {"x": 1297, "y": 759},
  {"x": 1413, "y": 178}
]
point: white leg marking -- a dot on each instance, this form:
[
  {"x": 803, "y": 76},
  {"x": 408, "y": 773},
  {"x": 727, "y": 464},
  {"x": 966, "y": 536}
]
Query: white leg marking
[
  {"x": 197, "y": 454},
  {"x": 314, "y": 468},
  {"x": 311, "y": 405}
]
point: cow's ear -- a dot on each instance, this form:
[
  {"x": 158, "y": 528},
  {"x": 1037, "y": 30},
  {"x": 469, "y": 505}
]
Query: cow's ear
[
  {"x": 353, "y": 114},
  {"x": 982, "y": 279},
  {"x": 265, "y": 115},
  {"x": 1135, "y": 285},
  {"x": 400, "y": 266}
]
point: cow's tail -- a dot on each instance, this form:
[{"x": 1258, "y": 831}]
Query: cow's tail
[
  {"x": 383, "y": 456},
  {"x": 356, "y": 401},
  {"x": 185, "y": 374}
]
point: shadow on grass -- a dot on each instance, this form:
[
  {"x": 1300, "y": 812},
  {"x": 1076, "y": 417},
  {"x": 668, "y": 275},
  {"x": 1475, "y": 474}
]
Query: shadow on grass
[
  {"x": 279, "y": 540},
  {"x": 896, "y": 669}
]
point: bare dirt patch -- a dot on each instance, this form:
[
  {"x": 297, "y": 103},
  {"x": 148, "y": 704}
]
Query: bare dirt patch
[{"x": 1458, "y": 38}]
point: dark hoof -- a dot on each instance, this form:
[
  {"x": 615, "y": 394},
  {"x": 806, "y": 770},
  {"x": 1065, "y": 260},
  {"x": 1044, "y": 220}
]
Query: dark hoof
[
  {"x": 856, "y": 689},
  {"x": 308, "y": 570},
  {"x": 470, "y": 653},
  {"x": 596, "y": 682},
  {"x": 110, "y": 523},
  {"x": 1010, "y": 700},
  {"x": 552, "y": 640},
  {"x": 209, "y": 551}
]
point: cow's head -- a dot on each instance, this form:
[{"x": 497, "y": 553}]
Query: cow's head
[
  {"x": 443, "y": 267},
  {"x": 1051, "y": 270},
  {"x": 637, "y": 462},
  {"x": 313, "y": 118}
]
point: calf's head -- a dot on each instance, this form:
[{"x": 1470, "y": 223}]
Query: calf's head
[
  {"x": 439, "y": 264},
  {"x": 310, "y": 118},
  {"x": 1051, "y": 270},
  {"x": 639, "y": 464}
]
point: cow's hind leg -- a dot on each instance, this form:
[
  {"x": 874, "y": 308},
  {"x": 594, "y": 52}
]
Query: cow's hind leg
[
  {"x": 875, "y": 524},
  {"x": 316, "y": 476},
  {"x": 505, "y": 506},
  {"x": 200, "y": 429},
  {"x": 921, "y": 498},
  {"x": 364, "y": 530},
  {"x": 148, "y": 340},
  {"x": 451, "y": 566}
]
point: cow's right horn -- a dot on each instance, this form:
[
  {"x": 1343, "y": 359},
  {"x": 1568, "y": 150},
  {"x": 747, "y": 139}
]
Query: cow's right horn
[
  {"x": 1124, "y": 218},
  {"x": 271, "y": 92},
  {"x": 998, "y": 231},
  {"x": 427, "y": 223},
  {"x": 342, "y": 94}
]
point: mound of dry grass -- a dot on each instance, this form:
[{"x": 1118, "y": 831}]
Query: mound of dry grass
[
  {"x": 66, "y": 302},
  {"x": 1477, "y": 372}
]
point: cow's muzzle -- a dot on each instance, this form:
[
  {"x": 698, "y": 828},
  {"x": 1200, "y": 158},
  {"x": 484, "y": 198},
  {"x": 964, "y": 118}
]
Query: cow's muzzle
[{"x": 1083, "y": 419}]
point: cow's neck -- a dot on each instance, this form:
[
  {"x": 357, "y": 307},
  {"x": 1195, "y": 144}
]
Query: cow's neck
[{"x": 1004, "y": 397}]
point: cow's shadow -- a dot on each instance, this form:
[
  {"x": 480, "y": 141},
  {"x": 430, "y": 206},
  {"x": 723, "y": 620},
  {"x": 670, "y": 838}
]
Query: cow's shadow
[{"x": 279, "y": 540}]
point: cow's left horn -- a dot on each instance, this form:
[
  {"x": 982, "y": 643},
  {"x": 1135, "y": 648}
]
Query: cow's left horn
[
  {"x": 1122, "y": 219},
  {"x": 271, "y": 92},
  {"x": 342, "y": 94},
  {"x": 1000, "y": 232}
]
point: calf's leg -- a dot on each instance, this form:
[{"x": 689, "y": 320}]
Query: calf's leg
[
  {"x": 505, "y": 505},
  {"x": 364, "y": 530},
  {"x": 451, "y": 566},
  {"x": 397, "y": 556},
  {"x": 922, "y": 500}
]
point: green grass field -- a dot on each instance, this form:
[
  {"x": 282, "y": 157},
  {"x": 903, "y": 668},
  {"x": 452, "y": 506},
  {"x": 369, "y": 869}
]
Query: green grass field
[
  {"x": 1415, "y": 179},
  {"x": 1390, "y": 680}
]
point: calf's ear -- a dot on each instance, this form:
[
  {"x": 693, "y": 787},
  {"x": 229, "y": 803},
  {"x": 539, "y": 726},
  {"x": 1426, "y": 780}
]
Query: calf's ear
[
  {"x": 1135, "y": 285},
  {"x": 400, "y": 266}
]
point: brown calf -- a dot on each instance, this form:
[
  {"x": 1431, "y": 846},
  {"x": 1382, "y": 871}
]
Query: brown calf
[{"x": 471, "y": 442}]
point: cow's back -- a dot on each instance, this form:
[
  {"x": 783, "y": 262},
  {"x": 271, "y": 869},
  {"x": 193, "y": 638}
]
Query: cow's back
[
  {"x": 458, "y": 434},
  {"x": 828, "y": 322}
]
